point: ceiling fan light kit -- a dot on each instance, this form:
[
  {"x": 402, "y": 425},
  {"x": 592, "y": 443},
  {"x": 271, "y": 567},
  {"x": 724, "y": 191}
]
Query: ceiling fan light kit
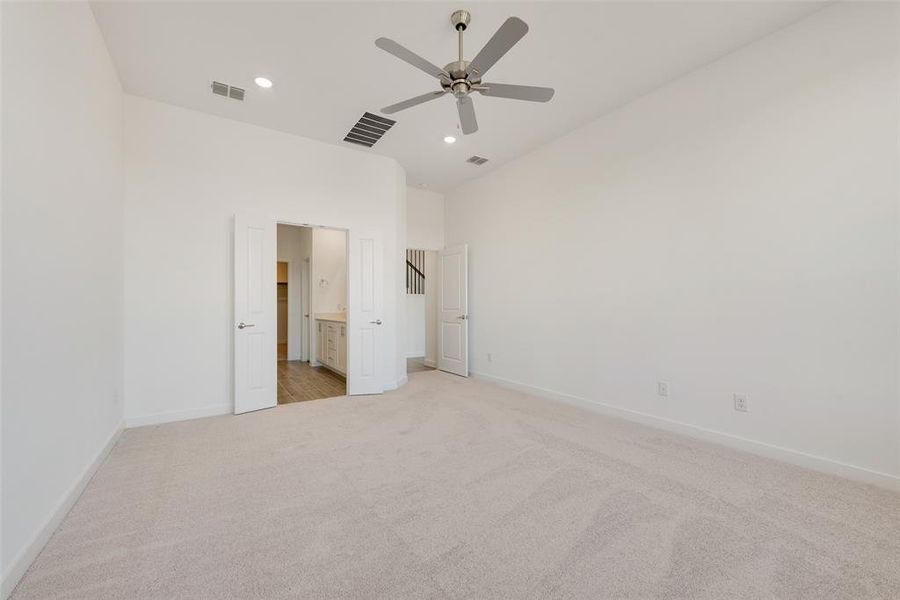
[{"x": 462, "y": 77}]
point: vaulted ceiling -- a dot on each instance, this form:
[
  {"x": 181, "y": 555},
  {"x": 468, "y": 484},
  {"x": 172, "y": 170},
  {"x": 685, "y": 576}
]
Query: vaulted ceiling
[{"x": 327, "y": 71}]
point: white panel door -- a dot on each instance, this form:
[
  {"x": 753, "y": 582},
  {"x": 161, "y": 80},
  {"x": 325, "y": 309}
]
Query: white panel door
[
  {"x": 365, "y": 331},
  {"x": 255, "y": 351},
  {"x": 453, "y": 330}
]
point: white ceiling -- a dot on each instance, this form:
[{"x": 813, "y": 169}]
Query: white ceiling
[{"x": 327, "y": 70}]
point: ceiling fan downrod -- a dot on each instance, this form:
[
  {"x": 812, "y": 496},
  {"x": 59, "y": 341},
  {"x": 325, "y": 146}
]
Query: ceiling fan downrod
[
  {"x": 460, "y": 20},
  {"x": 461, "y": 84}
]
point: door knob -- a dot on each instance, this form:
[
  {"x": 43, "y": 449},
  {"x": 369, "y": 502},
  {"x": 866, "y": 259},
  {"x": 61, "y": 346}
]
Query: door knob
[
  {"x": 243, "y": 325},
  {"x": 463, "y": 317},
  {"x": 376, "y": 322}
]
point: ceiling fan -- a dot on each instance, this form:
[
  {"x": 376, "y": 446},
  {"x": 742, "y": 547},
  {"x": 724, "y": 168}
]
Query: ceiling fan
[{"x": 462, "y": 77}]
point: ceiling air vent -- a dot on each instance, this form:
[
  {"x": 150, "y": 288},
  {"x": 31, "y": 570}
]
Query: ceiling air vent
[
  {"x": 476, "y": 160},
  {"x": 229, "y": 91},
  {"x": 368, "y": 130}
]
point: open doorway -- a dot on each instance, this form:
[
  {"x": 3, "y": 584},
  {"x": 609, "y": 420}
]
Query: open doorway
[
  {"x": 354, "y": 348},
  {"x": 311, "y": 286},
  {"x": 421, "y": 310}
]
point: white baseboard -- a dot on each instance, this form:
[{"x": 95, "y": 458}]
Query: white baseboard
[
  {"x": 20, "y": 563},
  {"x": 430, "y": 363},
  {"x": 794, "y": 457},
  {"x": 178, "y": 415},
  {"x": 415, "y": 355},
  {"x": 400, "y": 382}
]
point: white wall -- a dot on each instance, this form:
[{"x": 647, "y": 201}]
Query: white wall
[
  {"x": 733, "y": 231},
  {"x": 424, "y": 219},
  {"x": 424, "y": 231},
  {"x": 3, "y": 583},
  {"x": 187, "y": 174},
  {"x": 415, "y": 325},
  {"x": 62, "y": 267},
  {"x": 329, "y": 270},
  {"x": 432, "y": 289},
  {"x": 399, "y": 261}
]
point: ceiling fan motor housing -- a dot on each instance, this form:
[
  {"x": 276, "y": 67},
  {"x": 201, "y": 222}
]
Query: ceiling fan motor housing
[
  {"x": 460, "y": 88},
  {"x": 462, "y": 81}
]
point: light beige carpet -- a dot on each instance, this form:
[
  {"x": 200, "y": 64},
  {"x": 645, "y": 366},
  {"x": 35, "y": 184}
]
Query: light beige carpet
[{"x": 452, "y": 488}]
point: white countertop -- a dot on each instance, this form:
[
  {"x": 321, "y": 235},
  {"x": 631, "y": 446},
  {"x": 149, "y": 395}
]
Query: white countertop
[{"x": 336, "y": 317}]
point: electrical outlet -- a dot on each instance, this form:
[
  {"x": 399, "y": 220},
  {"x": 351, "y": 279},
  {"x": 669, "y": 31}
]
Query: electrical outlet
[
  {"x": 490, "y": 357},
  {"x": 662, "y": 389},
  {"x": 741, "y": 402}
]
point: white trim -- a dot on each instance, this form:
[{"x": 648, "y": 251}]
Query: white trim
[
  {"x": 306, "y": 317},
  {"x": 430, "y": 363},
  {"x": 415, "y": 354},
  {"x": 178, "y": 415},
  {"x": 293, "y": 352},
  {"x": 794, "y": 457},
  {"x": 396, "y": 384},
  {"x": 20, "y": 563}
]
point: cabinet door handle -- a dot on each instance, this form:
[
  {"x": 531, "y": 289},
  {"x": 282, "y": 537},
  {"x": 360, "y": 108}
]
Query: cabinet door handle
[{"x": 376, "y": 322}]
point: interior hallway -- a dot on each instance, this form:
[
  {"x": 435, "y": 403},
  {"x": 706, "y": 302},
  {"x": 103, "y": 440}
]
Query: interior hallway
[{"x": 456, "y": 488}]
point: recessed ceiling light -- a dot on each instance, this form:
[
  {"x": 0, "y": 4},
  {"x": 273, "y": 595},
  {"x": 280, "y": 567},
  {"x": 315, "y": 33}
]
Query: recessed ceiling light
[
  {"x": 263, "y": 82},
  {"x": 449, "y": 139}
]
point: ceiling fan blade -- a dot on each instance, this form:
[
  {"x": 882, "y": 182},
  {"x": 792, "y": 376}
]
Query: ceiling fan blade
[
  {"x": 512, "y": 30},
  {"x": 389, "y": 110},
  {"x": 467, "y": 120},
  {"x": 531, "y": 93},
  {"x": 411, "y": 57}
]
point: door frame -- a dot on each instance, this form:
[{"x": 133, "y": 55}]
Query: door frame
[
  {"x": 310, "y": 308},
  {"x": 312, "y": 350},
  {"x": 432, "y": 295},
  {"x": 430, "y": 292},
  {"x": 281, "y": 218},
  {"x": 305, "y": 314},
  {"x": 290, "y": 284}
]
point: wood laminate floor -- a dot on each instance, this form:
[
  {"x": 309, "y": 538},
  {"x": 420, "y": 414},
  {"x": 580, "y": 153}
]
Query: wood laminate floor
[{"x": 298, "y": 382}]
